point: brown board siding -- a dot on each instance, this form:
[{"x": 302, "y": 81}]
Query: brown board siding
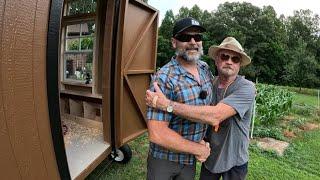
[
  {"x": 9, "y": 168},
  {"x": 26, "y": 147}
]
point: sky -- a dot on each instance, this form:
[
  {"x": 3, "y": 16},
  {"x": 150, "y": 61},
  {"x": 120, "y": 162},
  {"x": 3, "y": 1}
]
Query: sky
[{"x": 285, "y": 7}]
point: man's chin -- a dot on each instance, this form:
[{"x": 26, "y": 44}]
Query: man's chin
[
  {"x": 227, "y": 72},
  {"x": 192, "y": 58},
  {"x": 193, "y": 53}
]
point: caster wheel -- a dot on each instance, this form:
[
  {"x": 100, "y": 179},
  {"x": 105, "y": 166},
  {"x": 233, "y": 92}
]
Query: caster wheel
[{"x": 122, "y": 155}]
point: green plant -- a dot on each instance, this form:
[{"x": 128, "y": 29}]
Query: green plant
[
  {"x": 73, "y": 44},
  {"x": 87, "y": 43},
  {"x": 272, "y": 103},
  {"x": 303, "y": 109},
  {"x": 297, "y": 123},
  {"x": 271, "y": 131}
]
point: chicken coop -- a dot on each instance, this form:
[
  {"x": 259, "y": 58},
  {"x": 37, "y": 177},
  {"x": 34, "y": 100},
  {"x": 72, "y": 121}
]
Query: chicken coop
[{"x": 73, "y": 79}]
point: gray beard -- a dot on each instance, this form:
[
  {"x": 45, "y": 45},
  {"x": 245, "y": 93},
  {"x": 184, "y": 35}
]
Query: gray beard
[
  {"x": 188, "y": 58},
  {"x": 227, "y": 72}
]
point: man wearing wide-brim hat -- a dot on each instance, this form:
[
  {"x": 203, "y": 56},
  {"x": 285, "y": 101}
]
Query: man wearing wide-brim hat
[
  {"x": 231, "y": 44},
  {"x": 229, "y": 116}
]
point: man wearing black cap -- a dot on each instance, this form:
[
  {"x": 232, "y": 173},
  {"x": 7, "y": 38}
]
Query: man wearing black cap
[{"x": 176, "y": 142}]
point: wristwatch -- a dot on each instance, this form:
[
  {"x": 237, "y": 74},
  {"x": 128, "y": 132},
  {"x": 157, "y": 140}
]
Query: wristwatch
[{"x": 170, "y": 107}]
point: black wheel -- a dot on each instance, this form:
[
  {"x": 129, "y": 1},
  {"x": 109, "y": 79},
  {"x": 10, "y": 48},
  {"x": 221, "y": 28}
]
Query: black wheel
[{"x": 122, "y": 155}]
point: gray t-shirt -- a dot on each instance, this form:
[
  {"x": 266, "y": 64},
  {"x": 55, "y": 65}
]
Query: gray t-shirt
[{"x": 229, "y": 146}]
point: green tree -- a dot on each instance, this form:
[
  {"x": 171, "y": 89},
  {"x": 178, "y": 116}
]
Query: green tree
[
  {"x": 167, "y": 24},
  {"x": 164, "y": 52},
  {"x": 196, "y": 13},
  {"x": 302, "y": 67},
  {"x": 266, "y": 42},
  {"x": 277, "y": 46},
  {"x": 183, "y": 13},
  {"x": 303, "y": 36}
]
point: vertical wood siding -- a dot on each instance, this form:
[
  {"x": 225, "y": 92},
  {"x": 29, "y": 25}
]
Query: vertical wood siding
[{"x": 26, "y": 150}]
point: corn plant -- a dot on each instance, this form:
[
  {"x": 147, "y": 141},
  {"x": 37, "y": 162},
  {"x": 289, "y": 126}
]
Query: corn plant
[{"x": 272, "y": 103}]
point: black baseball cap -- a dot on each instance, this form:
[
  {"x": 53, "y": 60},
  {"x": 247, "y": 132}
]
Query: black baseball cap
[{"x": 185, "y": 23}]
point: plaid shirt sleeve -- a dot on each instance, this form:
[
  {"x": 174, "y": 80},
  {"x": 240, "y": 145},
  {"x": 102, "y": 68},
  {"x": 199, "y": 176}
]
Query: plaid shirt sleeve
[{"x": 164, "y": 83}]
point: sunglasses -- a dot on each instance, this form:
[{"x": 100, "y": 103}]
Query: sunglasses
[
  {"x": 226, "y": 57},
  {"x": 188, "y": 37}
]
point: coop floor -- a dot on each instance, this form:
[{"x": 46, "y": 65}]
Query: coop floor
[{"x": 83, "y": 141}]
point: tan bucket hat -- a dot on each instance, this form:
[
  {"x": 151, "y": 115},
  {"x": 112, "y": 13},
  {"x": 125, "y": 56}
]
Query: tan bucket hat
[{"x": 230, "y": 43}]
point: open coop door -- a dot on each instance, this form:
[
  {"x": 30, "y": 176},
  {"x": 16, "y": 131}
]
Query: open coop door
[{"x": 135, "y": 61}]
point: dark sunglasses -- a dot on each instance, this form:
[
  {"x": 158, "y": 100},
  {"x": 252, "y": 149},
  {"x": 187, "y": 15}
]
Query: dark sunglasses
[
  {"x": 226, "y": 57},
  {"x": 187, "y": 37}
]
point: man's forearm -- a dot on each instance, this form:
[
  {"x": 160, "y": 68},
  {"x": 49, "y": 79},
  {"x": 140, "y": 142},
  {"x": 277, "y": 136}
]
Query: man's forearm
[
  {"x": 203, "y": 114},
  {"x": 212, "y": 115},
  {"x": 169, "y": 139}
]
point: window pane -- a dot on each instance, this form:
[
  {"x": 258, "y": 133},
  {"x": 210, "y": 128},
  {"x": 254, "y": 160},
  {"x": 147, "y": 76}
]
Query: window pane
[
  {"x": 79, "y": 41},
  {"x": 87, "y": 43},
  {"x": 72, "y": 44},
  {"x": 81, "y": 7},
  {"x": 73, "y": 30},
  {"x": 88, "y": 28},
  {"x": 78, "y": 66}
]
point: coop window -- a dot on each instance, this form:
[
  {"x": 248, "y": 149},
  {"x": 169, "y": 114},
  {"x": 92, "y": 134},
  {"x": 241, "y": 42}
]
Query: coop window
[
  {"x": 78, "y": 56},
  {"x": 79, "y": 34}
]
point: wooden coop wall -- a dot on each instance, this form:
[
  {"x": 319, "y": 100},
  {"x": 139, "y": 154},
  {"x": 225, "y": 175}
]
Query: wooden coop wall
[{"x": 26, "y": 150}]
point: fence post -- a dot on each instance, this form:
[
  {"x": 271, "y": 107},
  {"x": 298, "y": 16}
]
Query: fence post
[
  {"x": 318, "y": 99},
  {"x": 253, "y": 116},
  {"x": 253, "y": 111}
]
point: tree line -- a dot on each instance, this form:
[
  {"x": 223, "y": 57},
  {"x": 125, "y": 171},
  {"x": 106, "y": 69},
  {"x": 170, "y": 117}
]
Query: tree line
[{"x": 284, "y": 50}]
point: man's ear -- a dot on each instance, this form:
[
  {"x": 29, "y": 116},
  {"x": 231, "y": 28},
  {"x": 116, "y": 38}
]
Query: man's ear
[
  {"x": 215, "y": 60},
  {"x": 174, "y": 43}
]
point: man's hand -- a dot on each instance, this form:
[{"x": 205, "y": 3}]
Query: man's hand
[
  {"x": 204, "y": 151},
  {"x": 156, "y": 99},
  {"x": 215, "y": 128}
]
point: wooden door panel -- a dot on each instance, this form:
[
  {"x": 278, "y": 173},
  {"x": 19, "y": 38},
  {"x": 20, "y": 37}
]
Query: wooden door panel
[
  {"x": 137, "y": 53},
  {"x": 141, "y": 59}
]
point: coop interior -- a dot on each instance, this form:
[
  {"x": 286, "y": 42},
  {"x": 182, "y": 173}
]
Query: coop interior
[
  {"x": 82, "y": 131},
  {"x": 81, "y": 84}
]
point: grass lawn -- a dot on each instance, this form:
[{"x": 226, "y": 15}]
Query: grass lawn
[
  {"x": 306, "y": 99},
  {"x": 301, "y": 160}
]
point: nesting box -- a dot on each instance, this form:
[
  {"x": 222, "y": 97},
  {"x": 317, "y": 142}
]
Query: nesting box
[{"x": 73, "y": 79}]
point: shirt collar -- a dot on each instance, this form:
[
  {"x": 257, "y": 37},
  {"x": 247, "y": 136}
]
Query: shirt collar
[{"x": 200, "y": 65}]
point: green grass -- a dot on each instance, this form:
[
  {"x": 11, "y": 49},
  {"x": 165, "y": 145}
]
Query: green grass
[
  {"x": 307, "y": 91},
  {"x": 306, "y": 99},
  {"x": 301, "y": 160},
  {"x": 136, "y": 169}
]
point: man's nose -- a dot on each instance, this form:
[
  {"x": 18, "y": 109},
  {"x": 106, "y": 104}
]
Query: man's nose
[
  {"x": 229, "y": 61},
  {"x": 192, "y": 41}
]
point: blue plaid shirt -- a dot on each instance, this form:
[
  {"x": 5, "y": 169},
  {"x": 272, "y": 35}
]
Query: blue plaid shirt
[{"x": 180, "y": 86}]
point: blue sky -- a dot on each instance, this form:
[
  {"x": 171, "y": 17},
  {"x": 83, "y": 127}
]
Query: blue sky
[{"x": 285, "y": 7}]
